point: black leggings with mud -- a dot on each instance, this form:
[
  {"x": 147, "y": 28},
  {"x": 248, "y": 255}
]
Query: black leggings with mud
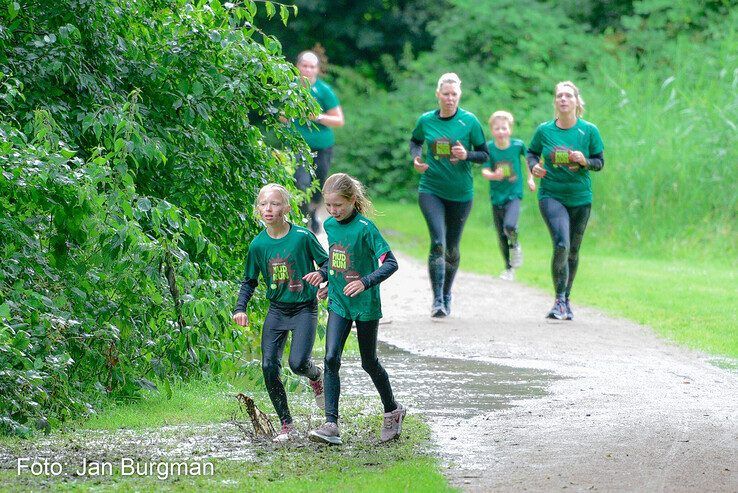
[
  {"x": 336, "y": 334},
  {"x": 566, "y": 225},
  {"x": 282, "y": 318}
]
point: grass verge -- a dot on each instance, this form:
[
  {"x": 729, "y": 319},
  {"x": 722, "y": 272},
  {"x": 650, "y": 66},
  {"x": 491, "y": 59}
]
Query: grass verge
[{"x": 361, "y": 464}]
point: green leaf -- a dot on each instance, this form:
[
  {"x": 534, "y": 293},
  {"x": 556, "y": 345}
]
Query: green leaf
[
  {"x": 5, "y": 311},
  {"x": 143, "y": 204},
  {"x": 270, "y": 10},
  {"x": 284, "y": 14}
]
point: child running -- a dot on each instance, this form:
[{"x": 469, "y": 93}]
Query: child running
[
  {"x": 284, "y": 254},
  {"x": 503, "y": 170},
  {"x": 353, "y": 274}
]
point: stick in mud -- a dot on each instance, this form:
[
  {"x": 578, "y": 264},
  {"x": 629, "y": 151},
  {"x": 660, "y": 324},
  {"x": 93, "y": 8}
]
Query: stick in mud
[{"x": 260, "y": 421}]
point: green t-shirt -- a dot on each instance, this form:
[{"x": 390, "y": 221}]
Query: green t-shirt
[
  {"x": 571, "y": 188},
  {"x": 443, "y": 178},
  {"x": 511, "y": 187},
  {"x": 316, "y": 135},
  {"x": 283, "y": 262},
  {"x": 354, "y": 251}
]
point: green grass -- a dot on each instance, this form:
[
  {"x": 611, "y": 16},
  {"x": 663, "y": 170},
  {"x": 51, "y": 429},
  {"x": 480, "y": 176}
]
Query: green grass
[
  {"x": 361, "y": 464},
  {"x": 686, "y": 300}
]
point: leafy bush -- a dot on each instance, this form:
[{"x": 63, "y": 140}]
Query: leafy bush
[{"x": 134, "y": 137}]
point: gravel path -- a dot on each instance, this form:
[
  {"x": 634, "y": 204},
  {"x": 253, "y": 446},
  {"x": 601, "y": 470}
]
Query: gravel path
[{"x": 631, "y": 413}]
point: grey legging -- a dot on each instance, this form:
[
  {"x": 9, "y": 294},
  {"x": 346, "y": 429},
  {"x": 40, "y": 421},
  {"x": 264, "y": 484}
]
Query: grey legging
[{"x": 506, "y": 223}]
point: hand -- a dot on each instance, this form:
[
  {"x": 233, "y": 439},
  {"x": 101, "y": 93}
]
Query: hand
[
  {"x": 353, "y": 288},
  {"x": 419, "y": 165},
  {"x": 283, "y": 119},
  {"x": 578, "y": 158},
  {"x": 538, "y": 171},
  {"x": 323, "y": 292},
  {"x": 458, "y": 153},
  {"x": 313, "y": 278},
  {"x": 495, "y": 175},
  {"x": 241, "y": 319},
  {"x": 531, "y": 184}
]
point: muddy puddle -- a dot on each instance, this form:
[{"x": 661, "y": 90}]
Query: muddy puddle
[{"x": 455, "y": 396}]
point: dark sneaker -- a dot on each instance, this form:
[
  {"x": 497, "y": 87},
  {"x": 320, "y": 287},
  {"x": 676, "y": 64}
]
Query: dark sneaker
[
  {"x": 326, "y": 433},
  {"x": 392, "y": 425},
  {"x": 558, "y": 311},
  {"x": 447, "y": 303},
  {"x": 317, "y": 386},
  {"x": 516, "y": 256},
  {"x": 438, "y": 310},
  {"x": 569, "y": 313},
  {"x": 287, "y": 434}
]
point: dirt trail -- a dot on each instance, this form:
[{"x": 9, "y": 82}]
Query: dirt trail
[{"x": 632, "y": 413}]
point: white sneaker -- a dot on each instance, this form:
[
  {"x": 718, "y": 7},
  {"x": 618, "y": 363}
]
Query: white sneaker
[
  {"x": 508, "y": 275},
  {"x": 516, "y": 256}
]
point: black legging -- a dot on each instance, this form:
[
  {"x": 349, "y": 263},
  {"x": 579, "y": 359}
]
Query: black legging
[
  {"x": 336, "y": 334},
  {"x": 566, "y": 225},
  {"x": 303, "y": 179},
  {"x": 506, "y": 224},
  {"x": 301, "y": 319},
  {"x": 445, "y": 219}
]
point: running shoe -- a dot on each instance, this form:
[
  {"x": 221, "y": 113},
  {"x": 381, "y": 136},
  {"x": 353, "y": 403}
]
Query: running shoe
[
  {"x": 326, "y": 433},
  {"x": 508, "y": 275},
  {"x": 317, "y": 386},
  {"x": 288, "y": 433},
  {"x": 569, "y": 313},
  {"x": 516, "y": 256},
  {"x": 558, "y": 311},
  {"x": 447, "y": 303},
  {"x": 392, "y": 425},
  {"x": 438, "y": 310}
]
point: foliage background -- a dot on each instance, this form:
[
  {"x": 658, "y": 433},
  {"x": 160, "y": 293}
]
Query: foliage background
[{"x": 134, "y": 136}]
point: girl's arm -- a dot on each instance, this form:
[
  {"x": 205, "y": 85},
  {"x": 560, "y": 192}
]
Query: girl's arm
[
  {"x": 248, "y": 286},
  {"x": 388, "y": 267},
  {"x": 480, "y": 154}
]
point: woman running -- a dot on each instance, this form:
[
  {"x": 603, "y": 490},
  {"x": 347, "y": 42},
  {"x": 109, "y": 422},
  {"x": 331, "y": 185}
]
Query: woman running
[
  {"x": 454, "y": 139},
  {"x": 571, "y": 147}
]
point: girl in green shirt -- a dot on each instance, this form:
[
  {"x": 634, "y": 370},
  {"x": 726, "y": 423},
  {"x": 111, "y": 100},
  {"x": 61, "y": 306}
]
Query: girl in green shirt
[
  {"x": 283, "y": 254},
  {"x": 353, "y": 273}
]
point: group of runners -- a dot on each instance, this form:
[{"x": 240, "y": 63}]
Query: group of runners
[{"x": 444, "y": 144}]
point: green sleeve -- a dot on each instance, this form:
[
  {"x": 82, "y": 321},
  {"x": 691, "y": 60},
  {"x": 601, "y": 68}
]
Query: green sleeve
[
  {"x": 377, "y": 243},
  {"x": 251, "y": 271},
  {"x": 418, "y": 130},
  {"x": 535, "y": 144},
  {"x": 317, "y": 252},
  {"x": 477, "y": 134},
  {"x": 595, "y": 142},
  {"x": 330, "y": 100}
]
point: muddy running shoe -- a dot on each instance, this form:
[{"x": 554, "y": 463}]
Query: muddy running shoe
[
  {"x": 516, "y": 256},
  {"x": 569, "y": 313},
  {"x": 508, "y": 275},
  {"x": 326, "y": 433},
  {"x": 438, "y": 310},
  {"x": 558, "y": 311},
  {"x": 317, "y": 386},
  {"x": 288, "y": 433},
  {"x": 447, "y": 303},
  {"x": 392, "y": 425}
]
